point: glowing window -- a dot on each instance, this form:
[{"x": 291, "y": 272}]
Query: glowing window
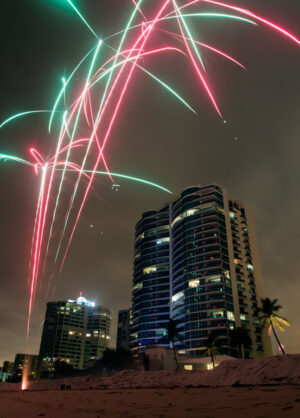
[
  {"x": 210, "y": 366},
  {"x": 152, "y": 269},
  {"x": 227, "y": 274},
  {"x": 230, "y": 315},
  {"x": 138, "y": 286},
  {"x": 232, "y": 215},
  {"x": 162, "y": 241},
  {"x": 194, "y": 283},
  {"x": 177, "y": 219},
  {"x": 188, "y": 367},
  {"x": 243, "y": 317},
  {"x": 250, "y": 267},
  {"x": 217, "y": 314},
  {"x": 178, "y": 296},
  {"x": 149, "y": 270},
  {"x": 141, "y": 236},
  {"x": 191, "y": 212},
  {"x": 213, "y": 279}
]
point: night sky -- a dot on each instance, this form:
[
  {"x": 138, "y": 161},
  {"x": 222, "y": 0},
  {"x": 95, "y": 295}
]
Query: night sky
[{"x": 155, "y": 137}]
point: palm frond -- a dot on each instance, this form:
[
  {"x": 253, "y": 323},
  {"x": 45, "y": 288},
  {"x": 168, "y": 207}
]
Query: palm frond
[
  {"x": 270, "y": 329},
  {"x": 282, "y": 320},
  {"x": 278, "y": 325}
]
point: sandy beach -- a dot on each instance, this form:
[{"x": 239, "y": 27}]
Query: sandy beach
[
  {"x": 220, "y": 402},
  {"x": 263, "y": 388}
]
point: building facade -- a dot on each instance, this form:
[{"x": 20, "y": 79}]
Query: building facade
[
  {"x": 27, "y": 363},
  {"x": 75, "y": 331},
  {"x": 196, "y": 261},
  {"x": 6, "y": 371},
  {"x": 123, "y": 330}
]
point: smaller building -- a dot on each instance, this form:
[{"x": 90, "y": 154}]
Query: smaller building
[
  {"x": 123, "y": 331},
  {"x": 27, "y": 363},
  {"x": 6, "y": 371},
  {"x": 161, "y": 358},
  {"x": 75, "y": 331}
]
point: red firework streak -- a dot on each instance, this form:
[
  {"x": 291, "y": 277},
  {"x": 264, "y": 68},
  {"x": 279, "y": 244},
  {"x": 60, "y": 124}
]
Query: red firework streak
[{"x": 123, "y": 64}]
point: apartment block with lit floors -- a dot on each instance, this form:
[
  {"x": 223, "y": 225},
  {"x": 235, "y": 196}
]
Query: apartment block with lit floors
[
  {"x": 196, "y": 261},
  {"x": 151, "y": 281},
  {"x": 75, "y": 331}
]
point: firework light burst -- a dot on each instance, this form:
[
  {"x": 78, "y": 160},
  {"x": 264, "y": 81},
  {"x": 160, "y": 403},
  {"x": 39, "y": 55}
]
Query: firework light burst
[{"x": 95, "y": 109}]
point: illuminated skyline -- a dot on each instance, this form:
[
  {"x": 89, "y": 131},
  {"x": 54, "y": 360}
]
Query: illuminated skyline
[{"x": 233, "y": 142}]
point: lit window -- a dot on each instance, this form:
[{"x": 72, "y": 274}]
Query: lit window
[
  {"x": 230, "y": 315},
  {"x": 71, "y": 332},
  {"x": 243, "y": 317},
  {"x": 250, "y": 267},
  {"x": 138, "y": 286},
  {"x": 162, "y": 240},
  {"x": 227, "y": 274},
  {"x": 178, "y": 296},
  {"x": 88, "y": 335},
  {"x": 217, "y": 314},
  {"x": 141, "y": 236},
  {"x": 188, "y": 367},
  {"x": 232, "y": 215},
  {"x": 213, "y": 279},
  {"x": 177, "y": 219},
  {"x": 152, "y": 269},
  {"x": 210, "y": 366},
  {"x": 149, "y": 270},
  {"x": 191, "y": 212},
  {"x": 194, "y": 283}
]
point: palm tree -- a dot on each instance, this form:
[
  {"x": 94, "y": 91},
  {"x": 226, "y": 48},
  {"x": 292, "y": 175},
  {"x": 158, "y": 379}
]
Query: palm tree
[
  {"x": 270, "y": 317},
  {"x": 172, "y": 336},
  {"x": 213, "y": 347},
  {"x": 240, "y": 337}
]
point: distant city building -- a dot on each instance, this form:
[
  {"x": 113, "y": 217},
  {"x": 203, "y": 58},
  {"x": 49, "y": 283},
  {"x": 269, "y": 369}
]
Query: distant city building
[
  {"x": 196, "y": 261},
  {"x": 75, "y": 331},
  {"x": 6, "y": 371},
  {"x": 25, "y": 362},
  {"x": 123, "y": 331}
]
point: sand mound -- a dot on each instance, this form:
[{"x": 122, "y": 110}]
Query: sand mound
[{"x": 271, "y": 371}]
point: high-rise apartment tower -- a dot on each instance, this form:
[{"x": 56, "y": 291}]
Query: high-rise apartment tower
[
  {"x": 196, "y": 261},
  {"x": 75, "y": 331}
]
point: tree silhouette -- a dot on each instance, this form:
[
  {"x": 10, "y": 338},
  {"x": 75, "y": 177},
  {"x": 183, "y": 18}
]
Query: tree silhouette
[
  {"x": 213, "y": 347},
  {"x": 240, "y": 337},
  {"x": 173, "y": 336},
  {"x": 269, "y": 316},
  {"x": 62, "y": 368},
  {"x": 112, "y": 359}
]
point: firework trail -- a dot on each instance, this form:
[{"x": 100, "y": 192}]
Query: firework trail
[{"x": 95, "y": 109}]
